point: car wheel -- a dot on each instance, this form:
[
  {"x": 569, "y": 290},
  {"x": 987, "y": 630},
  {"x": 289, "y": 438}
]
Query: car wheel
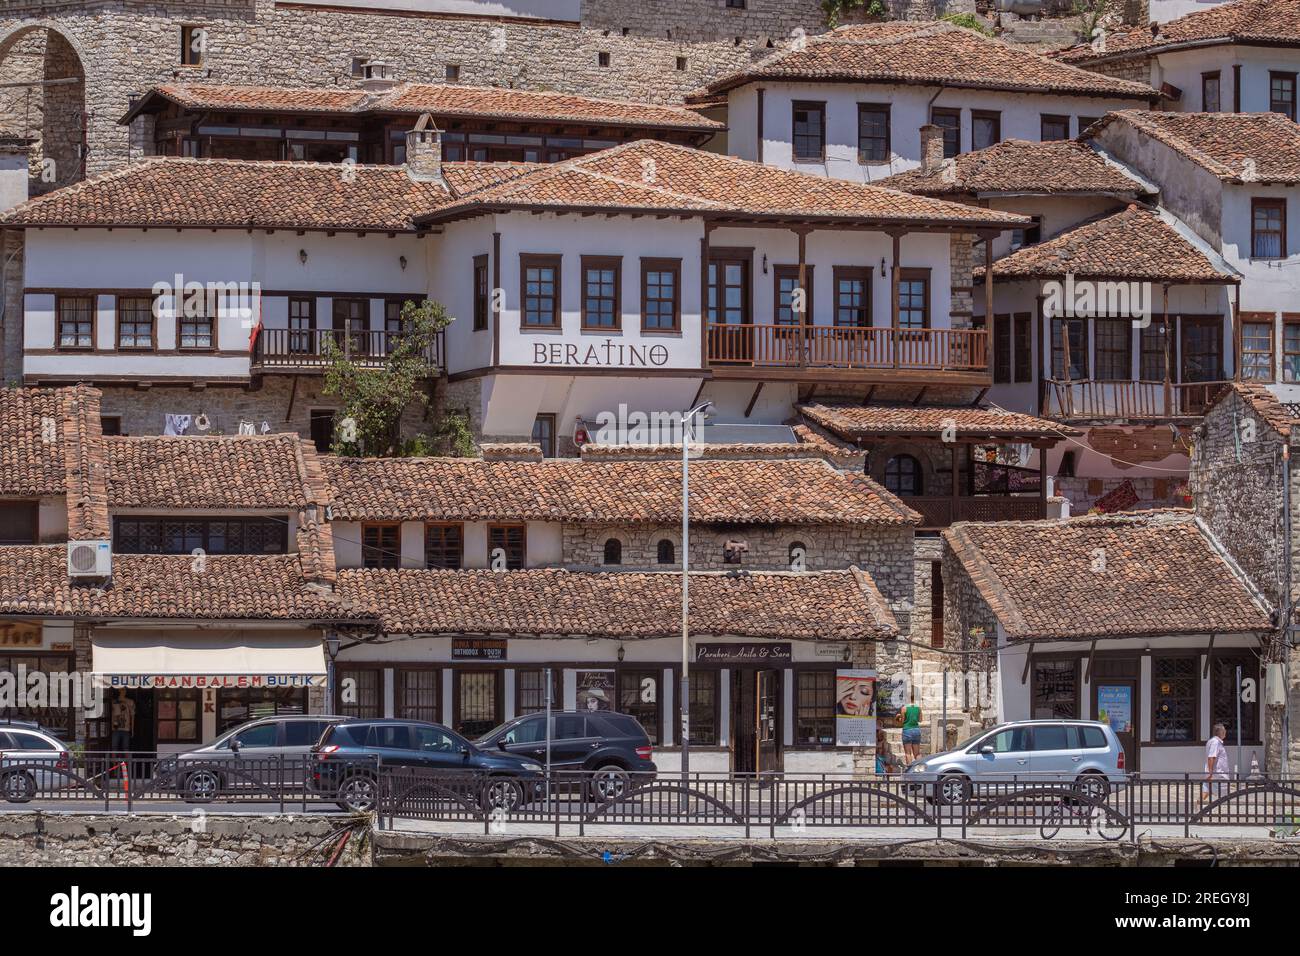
[
  {"x": 953, "y": 789},
  {"x": 358, "y": 794},
  {"x": 18, "y": 787},
  {"x": 502, "y": 793},
  {"x": 202, "y": 786},
  {"x": 610, "y": 783},
  {"x": 1093, "y": 787}
]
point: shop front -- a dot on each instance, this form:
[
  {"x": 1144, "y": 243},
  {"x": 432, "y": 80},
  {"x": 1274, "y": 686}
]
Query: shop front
[
  {"x": 36, "y": 654},
  {"x": 755, "y": 706},
  {"x": 175, "y": 690},
  {"x": 1162, "y": 697}
]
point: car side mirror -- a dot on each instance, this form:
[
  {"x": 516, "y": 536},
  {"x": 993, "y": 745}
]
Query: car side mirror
[
  {"x": 234, "y": 745},
  {"x": 502, "y": 743},
  {"x": 987, "y": 750},
  {"x": 464, "y": 752}
]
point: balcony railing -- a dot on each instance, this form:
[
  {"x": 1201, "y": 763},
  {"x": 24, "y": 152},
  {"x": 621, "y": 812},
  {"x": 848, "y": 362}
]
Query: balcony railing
[
  {"x": 1091, "y": 400},
  {"x": 307, "y": 349},
  {"x": 848, "y": 347},
  {"x": 941, "y": 511}
]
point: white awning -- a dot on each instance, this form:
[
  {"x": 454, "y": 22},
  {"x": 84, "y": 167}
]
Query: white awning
[{"x": 192, "y": 660}]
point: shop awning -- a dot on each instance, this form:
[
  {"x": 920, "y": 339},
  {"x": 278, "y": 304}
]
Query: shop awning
[{"x": 208, "y": 660}]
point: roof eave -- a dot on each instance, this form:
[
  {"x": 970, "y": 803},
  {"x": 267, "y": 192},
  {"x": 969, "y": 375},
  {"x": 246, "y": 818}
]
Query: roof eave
[{"x": 726, "y": 85}]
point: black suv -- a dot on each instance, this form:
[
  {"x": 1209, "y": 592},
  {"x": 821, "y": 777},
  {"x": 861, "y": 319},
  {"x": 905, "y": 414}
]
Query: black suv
[
  {"x": 350, "y": 753},
  {"x": 614, "y": 748}
]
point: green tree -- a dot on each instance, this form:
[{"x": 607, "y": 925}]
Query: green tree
[{"x": 373, "y": 398}]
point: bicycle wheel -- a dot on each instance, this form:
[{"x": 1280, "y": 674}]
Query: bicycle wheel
[
  {"x": 1109, "y": 826},
  {"x": 1052, "y": 825}
]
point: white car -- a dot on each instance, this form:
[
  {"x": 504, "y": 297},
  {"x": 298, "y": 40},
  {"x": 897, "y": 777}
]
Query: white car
[{"x": 24, "y": 749}]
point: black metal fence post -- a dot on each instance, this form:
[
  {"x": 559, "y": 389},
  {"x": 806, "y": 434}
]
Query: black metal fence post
[{"x": 1187, "y": 805}]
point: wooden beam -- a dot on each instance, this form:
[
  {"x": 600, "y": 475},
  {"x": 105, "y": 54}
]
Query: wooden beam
[
  {"x": 758, "y": 390},
  {"x": 893, "y": 294},
  {"x": 920, "y": 395}
]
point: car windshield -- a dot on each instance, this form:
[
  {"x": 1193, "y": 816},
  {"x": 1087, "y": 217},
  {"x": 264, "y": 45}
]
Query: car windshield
[{"x": 970, "y": 740}]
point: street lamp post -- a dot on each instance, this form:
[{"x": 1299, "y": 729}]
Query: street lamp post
[{"x": 684, "y": 701}]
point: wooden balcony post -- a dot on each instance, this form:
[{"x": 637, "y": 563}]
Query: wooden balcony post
[
  {"x": 803, "y": 290},
  {"x": 1169, "y": 389},
  {"x": 893, "y": 296},
  {"x": 706, "y": 333},
  {"x": 1042, "y": 481},
  {"x": 988, "y": 284},
  {"x": 956, "y": 490}
]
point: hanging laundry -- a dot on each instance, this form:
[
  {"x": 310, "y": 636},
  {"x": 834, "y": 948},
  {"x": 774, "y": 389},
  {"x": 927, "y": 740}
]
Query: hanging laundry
[
  {"x": 177, "y": 424},
  {"x": 247, "y": 428}
]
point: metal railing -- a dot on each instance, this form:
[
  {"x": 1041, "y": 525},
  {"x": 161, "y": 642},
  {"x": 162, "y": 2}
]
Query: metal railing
[
  {"x": 127, "y": 780},
  {"x": 778, "y": 804},
  {"x": 940, "y": 511},
  {"x": 309, "y": 349},
  {"x": 1090, "y": 399},
  {"x": 848, "y": 347}
]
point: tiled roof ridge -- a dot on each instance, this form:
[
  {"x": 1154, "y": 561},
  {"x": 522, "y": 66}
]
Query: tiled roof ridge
[
  {"x": 1264, "y": 403},
  {"x": 315, "y": 535},
  {"x": 86, "y": 465},
  {"x": 986, "y": 580},
  {"x": 1226, "y": 556}
]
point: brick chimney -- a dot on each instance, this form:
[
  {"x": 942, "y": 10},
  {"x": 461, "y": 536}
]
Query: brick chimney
[
  {"x": 931, "y": 147},
  {"x": 424, "y": 152}
]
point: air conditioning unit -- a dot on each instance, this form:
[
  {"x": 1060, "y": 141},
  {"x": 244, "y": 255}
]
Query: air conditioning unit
[{"x": 90, "y": 559}]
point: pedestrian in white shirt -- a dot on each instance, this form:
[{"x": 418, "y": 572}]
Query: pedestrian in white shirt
[{"x": 1216, "y": 759}]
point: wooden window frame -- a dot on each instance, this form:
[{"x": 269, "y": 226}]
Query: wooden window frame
[
  {"x": 443, "y": 526},
  {"x": 1217, "y": 77},
  {"x": 540, "y": 260},
  {"x": 1268, "y": 320},
  {"x": 182, "y": 319},
  {"x": 614, "y": 263},
  {"x": 886, "y": 109},
  {"x": 33, "y": 509},
  {"x": 498, "y": 694},
  {"x": 719, "y": 259},
  {"x": 384, "y": 553},
  {"x": 181, "y": 694},
  {"x": 309, "y": 333},
  {"x": 205, "y": 522},
  {"x": 1045, "y": 118},
  {"x": 918, "y": 474},
  {"x": 1063, "y": 323},
  {"x": 1250, "y": 668},
  {"x": 1197, "y": 735},
  {"x": 1268, "y": 202},
  {"x": 1050, "y": 659},
  {"x": 1185, "y": 325},
  {"x": 343, "y": 670},
  {"x": 648, "y": 668},
  {"x": 399, "y": 689},
  {"x": 809, "y": 106},
  {"x": 916, "y": 275},
  {"x": 482, "y": 292},
  {"x": 1274, "y": 75},
  {"x": 523, "y": 540},
  {"x": 995, "y": 116},
  {"x": 557, "y": 689},
  {"x": 1097, "y": 349},
  {"x": 1290, "y": 319},
  {"x": 1152, "y": 334},
  {"x": 715, "y": 710},
  {"x": 555, "y": 435},
  {"x": 861, "y": 274},
  {"x": 1022, "y": 347},
  {"x": 674, "y": 266},
  {"x": 954, "y": 113},
  {"x": 1004, "y": 347},
  {"x": 153, "y": 324},
  {"x": 186, "y": 47},
  {"x": 797, "y": 707},
  {"x": 58, "y": 323},
  {"x": 786, "y": 271}
]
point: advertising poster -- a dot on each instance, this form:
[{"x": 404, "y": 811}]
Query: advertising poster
[
  {"x": 855, "y": 708},
  {"x": 1115, "y": 707},
  {"x": 595, "y": 690}
]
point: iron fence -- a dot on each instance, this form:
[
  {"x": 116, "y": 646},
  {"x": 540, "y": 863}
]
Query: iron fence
[
  {"x": 279, "y": 782},
  {"x": 799, "y": 803}
]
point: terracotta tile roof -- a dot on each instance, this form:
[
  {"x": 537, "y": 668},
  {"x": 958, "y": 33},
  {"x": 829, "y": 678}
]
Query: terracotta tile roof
[
  {"x": 32, "y": 460},
  {"x": 931, "y": 54},
  {"x": 199, "y": 193},
  {"x": 854, "y": 422},
  {"x": 34, "y": 580},
  {"x": 826, "y": 605},
  {"x": 1236, "y": 147},
  {"x": 659, "y": 177},
  {"x": 1263, "y": 402},
  {"x": 87, "y": 466},
  {"x": 1017, "y": 166},
  {"x": 1162, "y": 576},
  {"x": 1133, "y": 244},
  {"x": 1248, "y": 22},
  {"x": 573, "y": 490},
  {"x": 215, "y": 472},
  {"x": 486, "y": 102}
]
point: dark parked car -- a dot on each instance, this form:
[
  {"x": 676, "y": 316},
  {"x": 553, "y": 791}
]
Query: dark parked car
[
  {"x": 247, "y": 757},
  {"x": 349, "y": 754},
  {"x": 613, "y": 748}
]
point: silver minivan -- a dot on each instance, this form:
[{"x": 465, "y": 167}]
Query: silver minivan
[{"x": 1084, "y": 752}]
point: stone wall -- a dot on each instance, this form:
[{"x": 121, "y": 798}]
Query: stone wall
[
  {"x": 969, "y": 624},
  {"x": 195, "y": 839}
]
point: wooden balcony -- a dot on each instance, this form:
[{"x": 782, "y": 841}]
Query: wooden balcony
[
  {"x": 1127, "y": 401},
  {"x": 295, "y": 350},
  {"x": 821, "y": 352},
  {"x": 940, "y": 511}
]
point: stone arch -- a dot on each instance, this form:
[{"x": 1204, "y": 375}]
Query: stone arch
[{"x": 52, "y": 111}]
